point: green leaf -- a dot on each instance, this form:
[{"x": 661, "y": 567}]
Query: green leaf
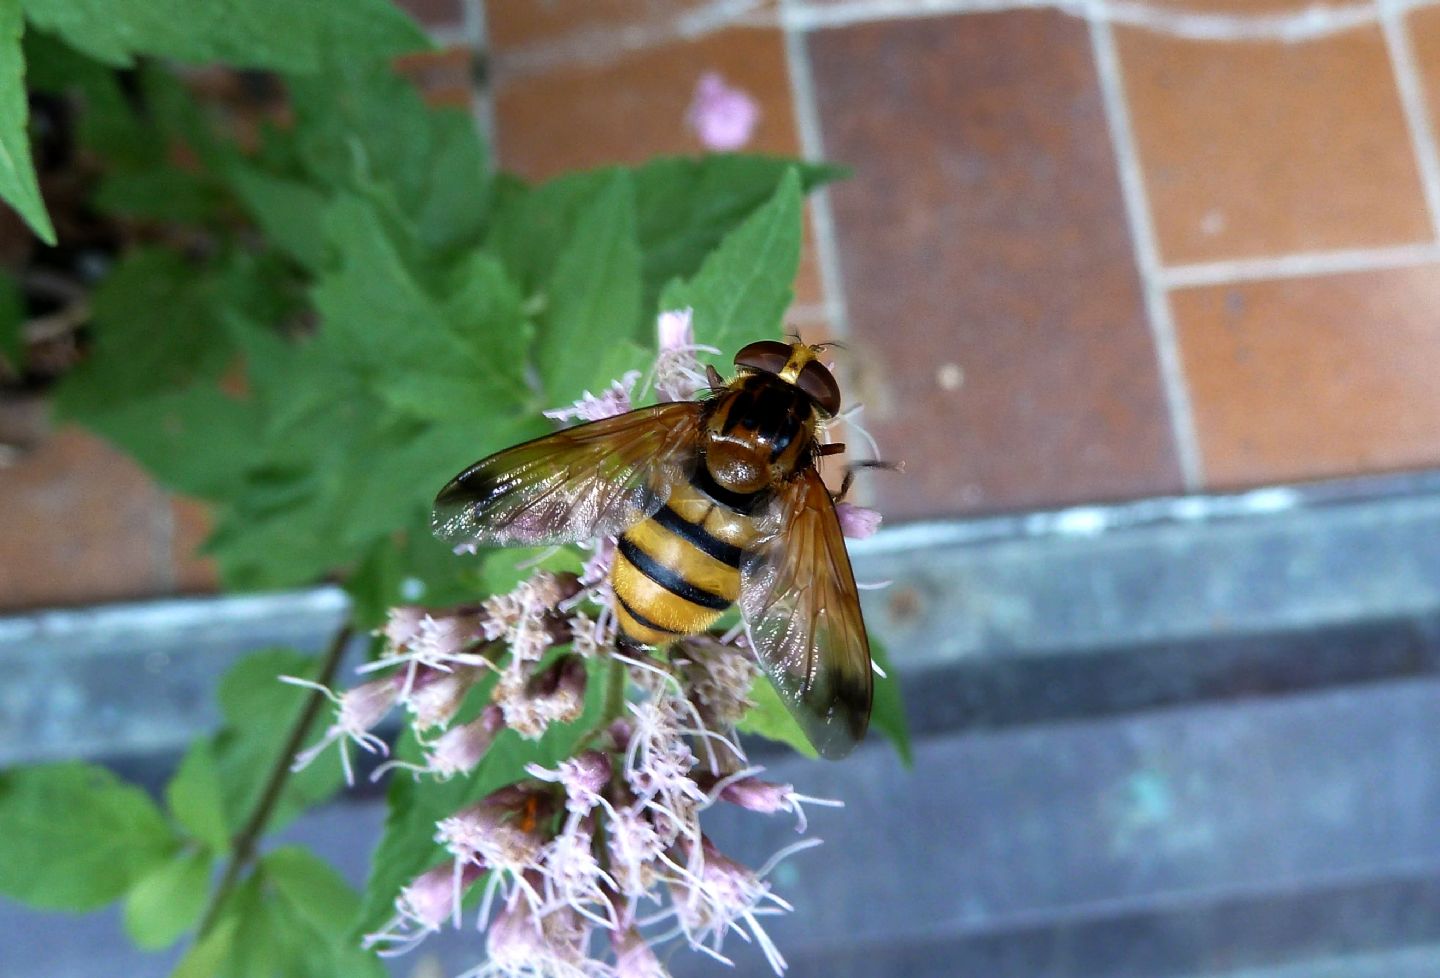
[
  {"x": 531, "y": 227},
  {"x": 385, "y": 323},
  {"x": 196, "y": 799},
  {"x": 772, "y": 720},
  {"x": 198, "y": 440},
  {"x": 593, "y": 294},
  {"x": 887, "y": 712},
  {"x": 408, "y": 847},
  {"x": 167, "y": 901},
  {"x": 395, "y": 486},
  {"x": 160, "y": 193},
  {"x": 743, "y": 288},
  {"x": 686, "y": 206},
  {"x": 157, "y": 320},
  {"x": 75, "y": 836},
  {"x": 206, "y": 957},
  {"x": 288, "y": 211},
  {"x": 479, "y": 363},
  {"x": 18, "y": 185},
  {"x": 259, "y": 712},
  {"x": 108, "y": 123},
  {"x": 317, "y": 899},
  {"x": 312, "y": 890},
  {"x": 240, "y": 32},
  {"x": 361, "y": 127}
]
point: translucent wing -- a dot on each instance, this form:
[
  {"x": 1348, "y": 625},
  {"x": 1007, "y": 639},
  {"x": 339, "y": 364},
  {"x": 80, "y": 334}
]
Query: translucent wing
[
  {"x": 797, "y": 593},
  {"x": 583, "y": 482}
]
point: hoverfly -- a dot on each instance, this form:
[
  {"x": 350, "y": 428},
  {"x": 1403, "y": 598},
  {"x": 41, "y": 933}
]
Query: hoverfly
[{"x": 714, "y": 501}]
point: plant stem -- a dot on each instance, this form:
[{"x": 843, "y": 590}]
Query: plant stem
[
  {"x": 243, "y": 850},
  {"x": 614, "y": 693}
]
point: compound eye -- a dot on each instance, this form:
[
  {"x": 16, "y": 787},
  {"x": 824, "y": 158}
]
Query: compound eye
[
  {"x": 820, "y": 384},
  {"x": 769, "y": 356}
]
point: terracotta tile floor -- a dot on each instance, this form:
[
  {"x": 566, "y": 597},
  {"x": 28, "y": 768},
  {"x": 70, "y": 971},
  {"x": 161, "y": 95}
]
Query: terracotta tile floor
[
  {"x": 1188, "y": 246},
  {"x": 985, "y": 259},
  {"x": 1261, "y": 149}
]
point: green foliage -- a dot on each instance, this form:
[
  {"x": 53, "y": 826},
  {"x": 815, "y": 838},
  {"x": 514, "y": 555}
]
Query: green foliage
[
  {"x": 196, "y": 799},
  {"x": 222, "y": 776},
  {"x": 17, "y": 173},
  {"x": 286, "y": 921},
  {"x": 240, "y": 32},
  {"x": 770, "y": 718},
  {"x": 76, "y": 838},
  {"x": 168, "y": 901},
  {"x": 887, "y": 713},
  {"x": 593, "y": 290},
  {"x": 259, "y": 712},
  {"x": 322, "y": 905},
  {"x": 743, "y": 287},
  {"x": 357, "y": 33}
]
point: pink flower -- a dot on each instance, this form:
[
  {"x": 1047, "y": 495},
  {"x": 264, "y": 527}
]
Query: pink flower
[
  {"x": 752, "y": 794},
  {"x": 675, "y": 330},
  {"x": 857, "y": 522},
  {"x": 584, "y": 777},
  {"x": 421, "y": 641},
  {"x": 718, "y": 678},
  {"x": 427, "y": 904},
  {"x": 573, "y": 876},
  {"x": 357, "y": 711},
  {"x": 678, "y": 374},
  {"x": 555, "y": 695},
  {"x": 437, "y": 696},
  {"x": 723, "y": 117},
  {"x": 633, "y": 957},
  {"x": 504, "y": 833},
  {"x": 612, "y": 402},
  {"x": 725, "y": 895},
  {"x": 522, "y": 944},
  {"x": 459, "y": 749}
]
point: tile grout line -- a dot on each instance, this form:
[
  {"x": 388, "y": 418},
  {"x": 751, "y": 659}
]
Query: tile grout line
[
  {"x": 822, "y": 216},
  {"x": 1147, "y": 255},
  {"x": 1309, "y": 23},
  {"x": 164, "y": 534},
  {"x": 1414, "y": 104},
  {"x": 812, "y": 147},
  {"x": 1302, "y": 265},
  {"x": 482, "y": 90}
]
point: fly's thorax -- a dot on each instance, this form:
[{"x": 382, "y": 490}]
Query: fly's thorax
[{"x": 758, "y": 434}]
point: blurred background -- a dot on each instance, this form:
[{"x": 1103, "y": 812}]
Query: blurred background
[{"x": 1146, "y": 296}]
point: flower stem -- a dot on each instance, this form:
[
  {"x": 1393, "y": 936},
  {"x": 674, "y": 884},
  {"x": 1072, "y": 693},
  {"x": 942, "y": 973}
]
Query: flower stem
[
  {"x": 614, "y": 694},
  {"x": 243, "y": 849}
]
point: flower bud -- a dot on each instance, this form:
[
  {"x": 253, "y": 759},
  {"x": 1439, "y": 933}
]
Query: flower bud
[
  {"x": 722, "y": 116},
  {"x": 857, "y": 522},
  {"x": 460, "y": 749},
  {"x": 553, "y": 695},
  {"x": 633, "y": 957},
  {"x": 755, "y": 795},
  {"x": 437, "y": 695}
]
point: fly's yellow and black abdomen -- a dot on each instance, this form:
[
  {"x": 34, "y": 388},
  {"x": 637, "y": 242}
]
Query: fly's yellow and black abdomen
[{"x": 676, "y": 572}]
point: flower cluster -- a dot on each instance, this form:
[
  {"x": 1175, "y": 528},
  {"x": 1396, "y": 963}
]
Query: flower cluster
[{"x": 583, "y": 867}]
